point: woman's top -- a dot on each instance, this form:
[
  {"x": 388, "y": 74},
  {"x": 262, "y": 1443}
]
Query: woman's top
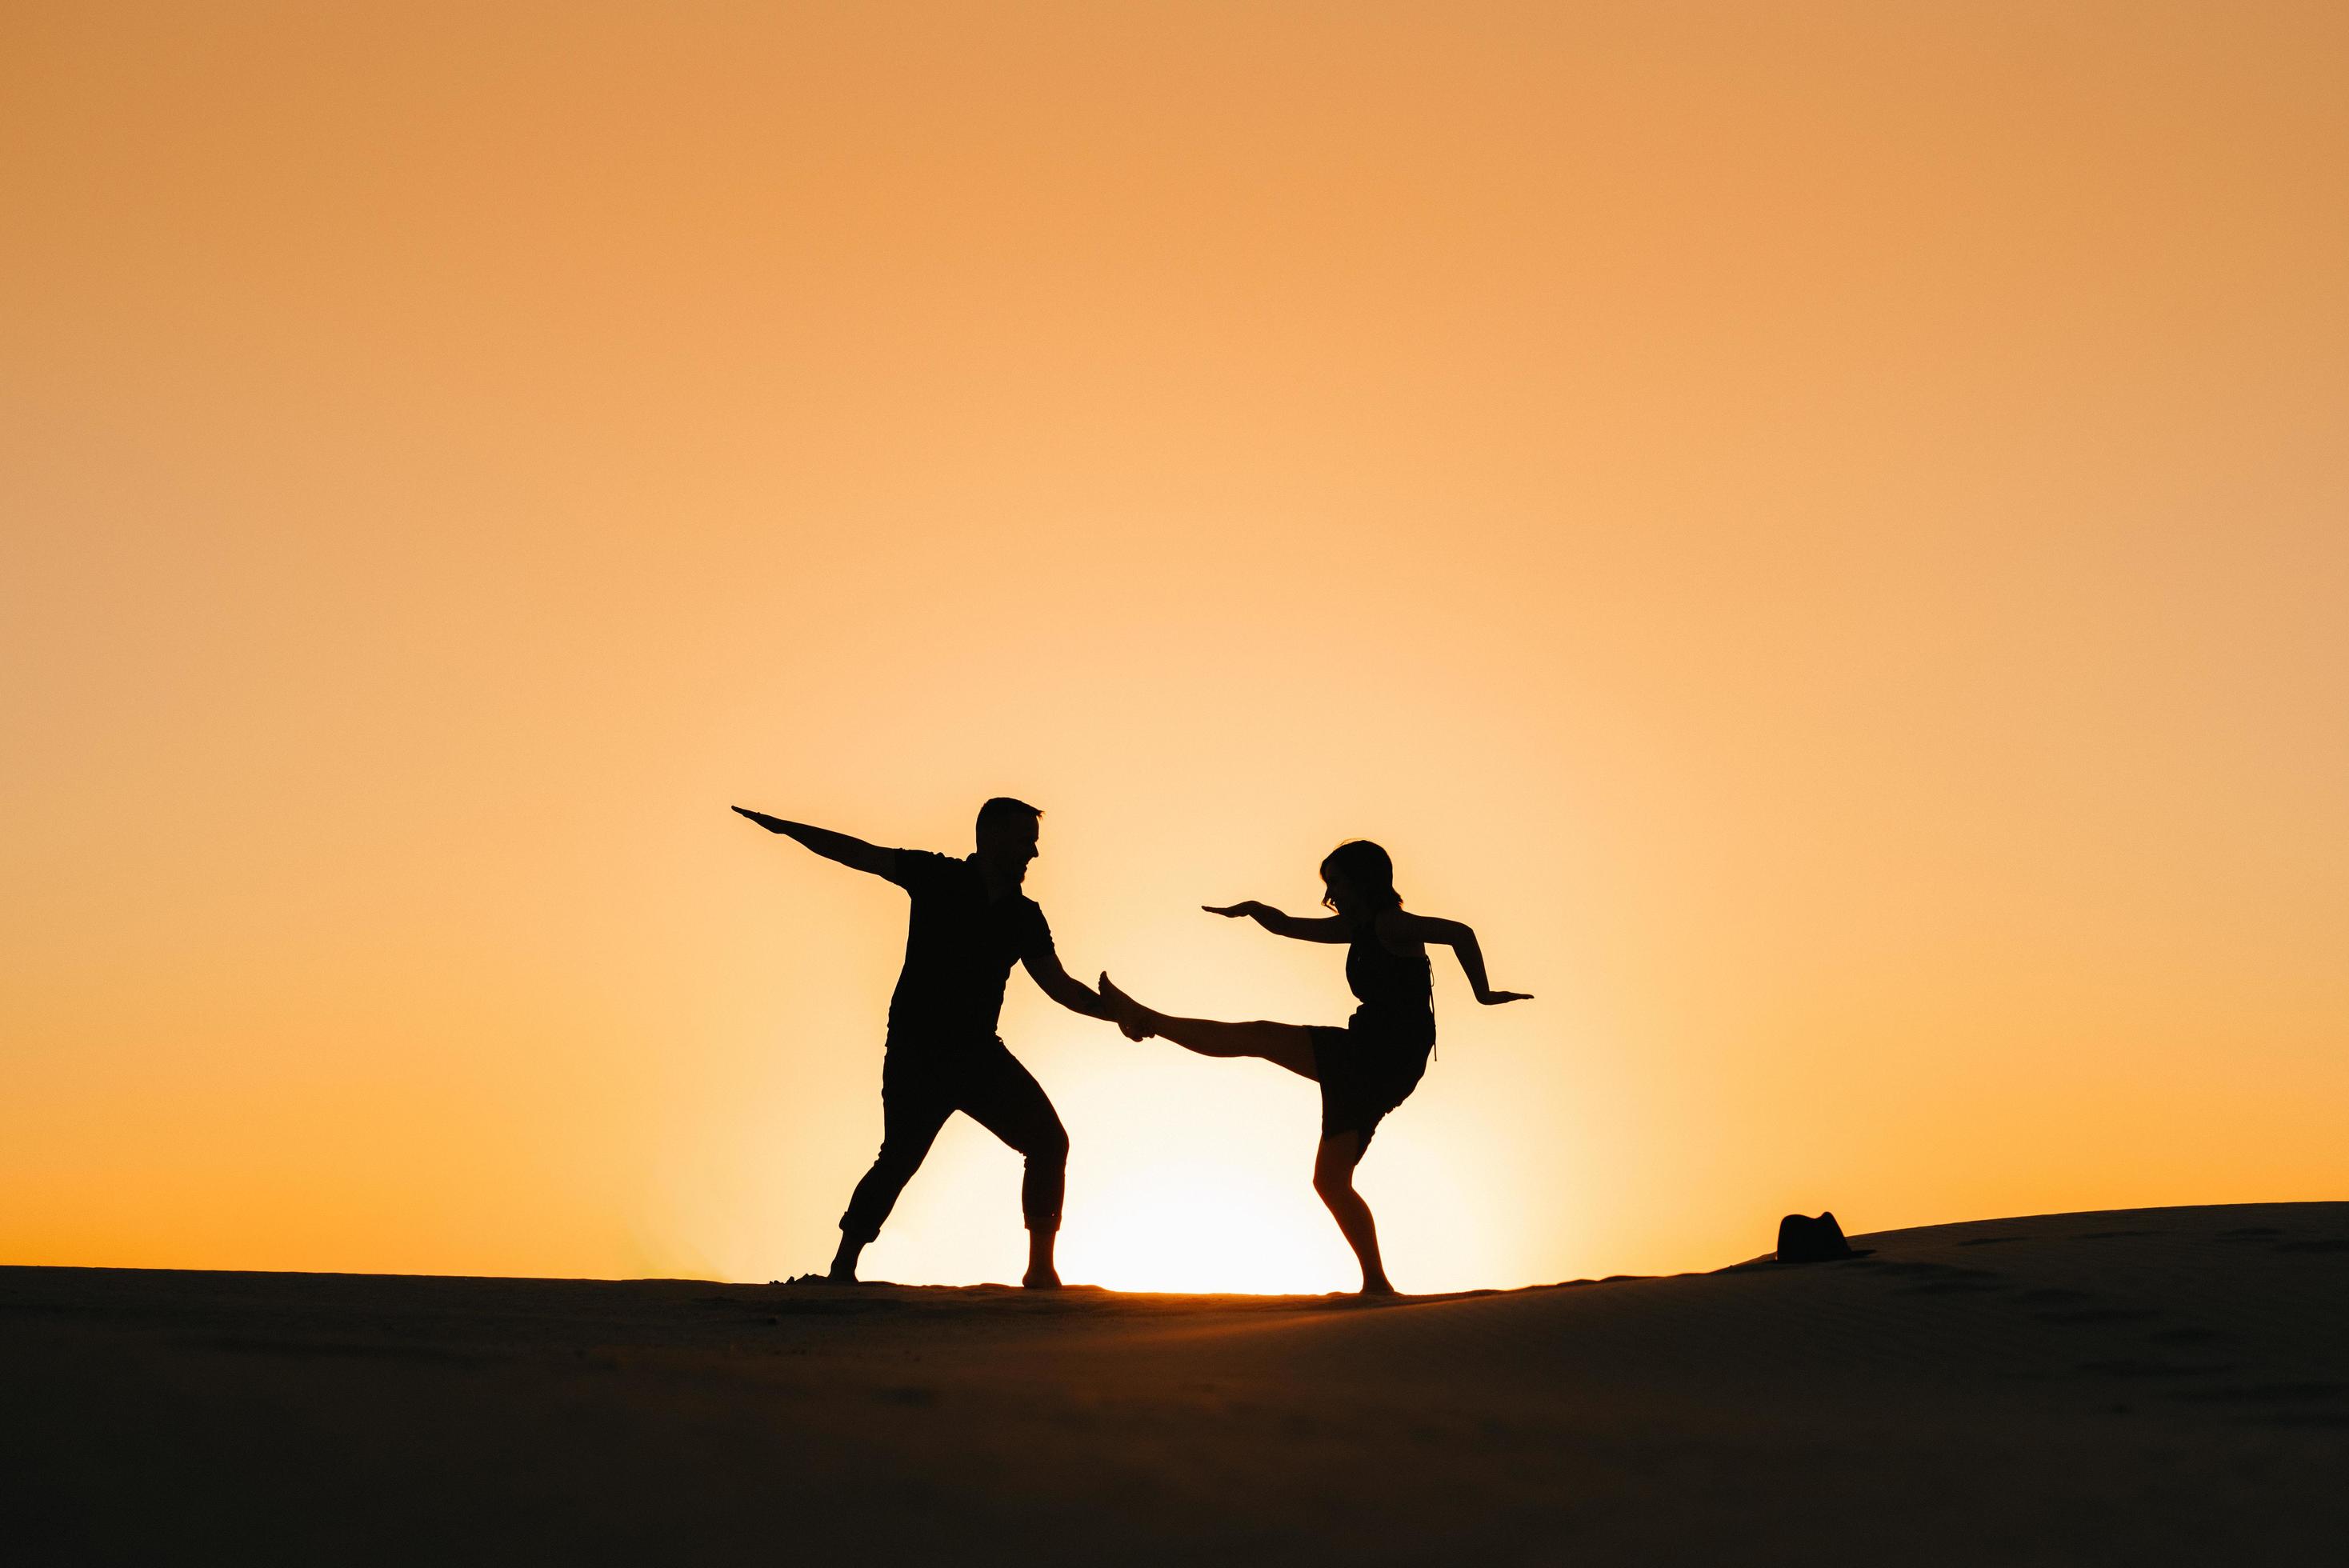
[{"x": 1394, "y": 990}]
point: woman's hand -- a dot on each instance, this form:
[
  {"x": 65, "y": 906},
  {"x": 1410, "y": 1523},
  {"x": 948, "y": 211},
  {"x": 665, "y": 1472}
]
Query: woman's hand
[
  {"x": 1250, "y": 909},
  {"x": 1495, "y": 999}
]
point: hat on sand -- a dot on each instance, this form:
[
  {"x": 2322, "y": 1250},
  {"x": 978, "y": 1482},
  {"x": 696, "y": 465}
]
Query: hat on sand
[{"x": 1803, "y": 1240}]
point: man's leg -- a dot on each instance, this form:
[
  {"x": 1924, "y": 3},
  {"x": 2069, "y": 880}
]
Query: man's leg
[
  {"x": 913, "y": 1108},
  {"x": 1004, "y": 1099}
]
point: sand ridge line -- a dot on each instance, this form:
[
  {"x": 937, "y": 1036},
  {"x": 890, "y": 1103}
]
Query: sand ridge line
[{"x": 2146, "y": 1397}]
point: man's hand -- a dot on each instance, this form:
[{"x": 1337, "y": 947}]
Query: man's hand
[
  {"x": 1249, "y": 910},
  {"x": 1495, "y": 999},
  {"x": 1131, "y": 1017},
  {"x": 854, "y": 853}
]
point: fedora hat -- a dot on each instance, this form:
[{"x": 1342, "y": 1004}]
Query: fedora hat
[{"x": 1803, "y": 1240}]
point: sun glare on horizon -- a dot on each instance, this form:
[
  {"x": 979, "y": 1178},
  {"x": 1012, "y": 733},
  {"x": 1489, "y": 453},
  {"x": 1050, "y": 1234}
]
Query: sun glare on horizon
[{"x": 1198, "y": 1229}]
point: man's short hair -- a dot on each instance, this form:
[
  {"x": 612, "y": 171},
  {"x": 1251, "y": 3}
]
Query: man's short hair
[{"x": 1003, "y": 811}]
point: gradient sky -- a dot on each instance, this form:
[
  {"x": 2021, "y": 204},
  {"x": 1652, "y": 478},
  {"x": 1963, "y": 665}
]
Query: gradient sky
[{"x": 1817, "y": 529}]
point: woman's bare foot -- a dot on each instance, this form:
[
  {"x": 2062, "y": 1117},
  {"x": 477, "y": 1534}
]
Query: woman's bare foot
[
  {"x": 1041, "y": 1274},
  {"x": 1131, "y": 1016}
]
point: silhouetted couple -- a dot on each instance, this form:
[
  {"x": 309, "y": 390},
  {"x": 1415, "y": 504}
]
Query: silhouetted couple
[{"x": 971, "y": 922}]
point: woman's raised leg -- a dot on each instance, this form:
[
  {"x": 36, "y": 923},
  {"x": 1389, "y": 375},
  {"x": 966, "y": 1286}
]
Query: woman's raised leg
[{"x": 1289, "y": 1044}]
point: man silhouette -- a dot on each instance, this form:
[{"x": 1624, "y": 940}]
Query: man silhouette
[{"x": 969, "y": 923}]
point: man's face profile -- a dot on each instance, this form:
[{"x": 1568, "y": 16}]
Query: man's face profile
[{"x": 1010, "y": 846}]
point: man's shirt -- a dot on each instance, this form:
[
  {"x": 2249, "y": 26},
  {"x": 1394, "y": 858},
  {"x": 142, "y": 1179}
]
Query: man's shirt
[{"x": 959, "y": 950}]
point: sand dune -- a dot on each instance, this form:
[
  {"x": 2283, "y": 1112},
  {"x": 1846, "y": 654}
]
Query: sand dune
[{"x": 2164, "y": 1385}]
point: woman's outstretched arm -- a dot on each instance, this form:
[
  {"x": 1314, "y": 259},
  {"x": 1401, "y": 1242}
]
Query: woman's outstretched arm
[
  {"x": 1463, "y": 942},
  {"x": 1329, "y": 928}
]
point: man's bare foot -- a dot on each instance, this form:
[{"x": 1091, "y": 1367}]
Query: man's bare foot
[
  {"x": 1131, "y": 1016},
  {"x": 1045, "y": 1280},
  {"x": 1377, "y": 1287}
]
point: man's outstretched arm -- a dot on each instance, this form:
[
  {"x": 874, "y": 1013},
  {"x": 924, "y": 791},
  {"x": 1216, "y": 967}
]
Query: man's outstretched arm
[
  {"x": 832, "y": 846},
  {"x": 1044, "y": 967}
]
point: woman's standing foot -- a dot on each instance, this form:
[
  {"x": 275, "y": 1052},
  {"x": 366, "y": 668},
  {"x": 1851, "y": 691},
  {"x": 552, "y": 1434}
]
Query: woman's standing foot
[{"x": 1040, "y": 1274}]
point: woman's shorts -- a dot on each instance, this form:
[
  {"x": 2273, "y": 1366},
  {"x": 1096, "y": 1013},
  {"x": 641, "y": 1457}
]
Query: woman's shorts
[{"x": 1366, "y": 1071}]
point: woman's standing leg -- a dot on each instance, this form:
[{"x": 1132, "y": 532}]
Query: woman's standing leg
[{"x": 1333, "y": 1178}]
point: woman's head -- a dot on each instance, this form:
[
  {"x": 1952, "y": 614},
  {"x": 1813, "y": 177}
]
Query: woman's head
[{"x": 1358, "y": 880}]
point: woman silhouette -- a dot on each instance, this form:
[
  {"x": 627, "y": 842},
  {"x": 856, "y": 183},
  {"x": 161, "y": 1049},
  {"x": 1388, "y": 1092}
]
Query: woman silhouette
[{"x": 1368, "y": 1068}]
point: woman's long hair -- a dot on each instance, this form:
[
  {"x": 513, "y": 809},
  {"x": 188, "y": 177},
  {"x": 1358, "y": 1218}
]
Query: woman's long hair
[{"x": 1368, "y": 867}]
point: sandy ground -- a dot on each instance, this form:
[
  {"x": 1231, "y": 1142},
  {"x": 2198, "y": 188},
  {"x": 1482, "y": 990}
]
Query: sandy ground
[{"x": 2157, "y": 1386}]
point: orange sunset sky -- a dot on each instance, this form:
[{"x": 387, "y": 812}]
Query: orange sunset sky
[{"x": 1817, "y": 528}]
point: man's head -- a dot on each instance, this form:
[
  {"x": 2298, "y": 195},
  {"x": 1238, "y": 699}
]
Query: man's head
[{"x": 1006, "y": 836}]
